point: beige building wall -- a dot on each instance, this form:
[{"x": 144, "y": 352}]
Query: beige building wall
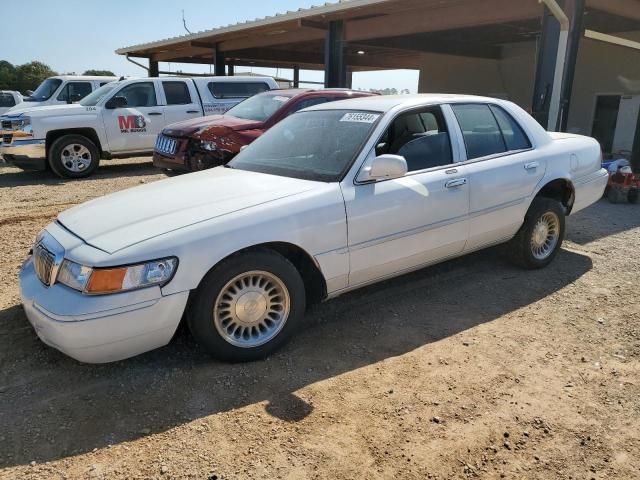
[{"x": 601, "y": 69}]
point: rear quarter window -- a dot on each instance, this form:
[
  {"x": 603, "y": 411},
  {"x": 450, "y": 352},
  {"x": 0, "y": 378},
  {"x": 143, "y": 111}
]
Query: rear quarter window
[{"x": 514, "y": 136}]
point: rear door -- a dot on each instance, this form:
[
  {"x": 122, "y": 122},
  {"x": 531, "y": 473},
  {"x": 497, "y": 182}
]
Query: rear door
[
  {"x": 181, "y": 101},
  {"x": 135, "y": 127},
  {"x": 503, "y": 169}
]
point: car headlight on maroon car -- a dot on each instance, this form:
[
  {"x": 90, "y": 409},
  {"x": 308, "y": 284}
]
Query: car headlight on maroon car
[
  {"x": 208, "y": 146},
  {"x": 116, "y": 279}
]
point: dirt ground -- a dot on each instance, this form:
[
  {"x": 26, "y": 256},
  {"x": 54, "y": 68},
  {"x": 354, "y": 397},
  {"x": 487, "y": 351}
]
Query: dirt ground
[{"x": 470, "y": 369}]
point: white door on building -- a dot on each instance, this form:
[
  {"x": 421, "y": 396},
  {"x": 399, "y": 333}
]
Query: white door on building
[{"x": 626, "y": 124}]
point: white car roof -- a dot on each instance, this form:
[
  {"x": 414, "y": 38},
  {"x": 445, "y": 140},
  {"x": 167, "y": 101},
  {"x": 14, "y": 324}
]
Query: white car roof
[
  {"x": 384, "y": 103},
  {"x": 83, "y": 77}
]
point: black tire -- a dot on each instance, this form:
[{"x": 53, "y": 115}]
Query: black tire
[
  {"x": 519, "y": 249},
  {"x": 201, "y": 312},
  {"x": 616, "y": 195},
  {"x": 63, "y": 144},
  {"x": 632, "y": 196}
]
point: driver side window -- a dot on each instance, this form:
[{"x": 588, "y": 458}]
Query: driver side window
[
  {"x": 139, "y": 94},
  {"x": 421, "y": 137}
]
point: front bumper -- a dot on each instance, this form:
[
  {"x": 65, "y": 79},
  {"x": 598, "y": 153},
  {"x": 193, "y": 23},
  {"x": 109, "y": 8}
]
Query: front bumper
[
  {"x": 99, "y": 329},
  {"x": 28, "y": 154},
  {"x": 173, "y": 163}
]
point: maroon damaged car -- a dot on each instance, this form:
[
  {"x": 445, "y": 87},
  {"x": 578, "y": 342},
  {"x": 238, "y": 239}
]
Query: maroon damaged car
[{"x": 207, "y": 142}]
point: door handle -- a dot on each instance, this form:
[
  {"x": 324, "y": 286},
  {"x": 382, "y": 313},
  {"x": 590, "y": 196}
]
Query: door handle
[
  {"x": 193, "y": 111},
  {"x": 155, "y": 113},
  {"x": 458, "y": 182},
  {"x": 531, "y": 165}
]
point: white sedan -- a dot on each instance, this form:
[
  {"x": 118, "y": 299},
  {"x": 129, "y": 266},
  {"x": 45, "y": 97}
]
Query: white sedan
[{"x": 335, "y": 197}]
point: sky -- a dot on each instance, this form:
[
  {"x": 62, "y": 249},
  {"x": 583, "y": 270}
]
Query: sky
[{"x": 77, "y": 35}]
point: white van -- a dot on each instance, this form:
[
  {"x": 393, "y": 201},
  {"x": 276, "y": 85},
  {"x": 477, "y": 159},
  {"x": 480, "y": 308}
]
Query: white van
[
  {"x": 8, "y": 100},
  {"x": 63, "y": 89}
]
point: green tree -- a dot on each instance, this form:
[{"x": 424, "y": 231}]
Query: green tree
[
  {"x": 7, "y": 76},
  {"x": 31, "y": 74},
  {"x": 100, "y": 73}
]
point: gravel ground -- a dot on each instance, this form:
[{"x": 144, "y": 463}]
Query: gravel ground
[{"x": 470, "y": 369}]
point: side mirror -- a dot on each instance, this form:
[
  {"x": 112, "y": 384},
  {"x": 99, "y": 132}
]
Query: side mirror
[
  {"x": 116, "y": 102},
  {"x": 76, "y": 97},
  {"x": 384, "y": 167}
]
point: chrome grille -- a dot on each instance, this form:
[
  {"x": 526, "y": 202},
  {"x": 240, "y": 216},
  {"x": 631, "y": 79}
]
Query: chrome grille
[
  {"x": 166, "y": 145},
  {"x": 43, "y": 262},
  {"x": 6, "y": 124},
  {"x": 7, "y": 138}
]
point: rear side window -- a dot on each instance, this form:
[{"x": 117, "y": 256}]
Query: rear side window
[
  {"x": 82, "y": 89},
  {"x": 482, "y": 135},
  {"x": 236, "y": 89},
  {"x": 7, "y": 100},
  {"x": 177, "y": 93},
  {"x": 141, "y": 94},
  {"x": 514, "y": 136}
]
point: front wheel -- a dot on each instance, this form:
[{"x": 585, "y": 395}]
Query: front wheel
[
  {"x": 73, "y": 156},
  {"x": 248, "y": 306},
  {"x": 539, "y": 239}
]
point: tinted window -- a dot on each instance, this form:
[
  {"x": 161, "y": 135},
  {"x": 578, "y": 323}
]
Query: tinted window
[
  {"x": 236, "y": 89},
  {"x": 177, "y": 93},
  {"x": 514, "y": 136},
  {"x": 139, "y": 94},
  {"x": 308, "y": 102},
  {"x": 420, "y": 137},
  {"x": 319, "y": 145},
  {"x": 482, "y": 136},
  {"x": 7, "y": 100},
  {"x": 75, "y": 88}
]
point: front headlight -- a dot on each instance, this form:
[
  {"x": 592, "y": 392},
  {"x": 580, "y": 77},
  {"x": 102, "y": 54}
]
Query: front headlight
[
  {"x": 22, "y": 123},
  {"x": 117, "y": 279},
  {"x": 208, "y": 146}
]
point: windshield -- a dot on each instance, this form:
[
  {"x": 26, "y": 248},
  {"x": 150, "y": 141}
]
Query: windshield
[
  {"x": 259, "y": 107},
  {"x": 92, "y": 99},
  {"x": 317, "y": 145},
  {"x": 45, "y": 90}
]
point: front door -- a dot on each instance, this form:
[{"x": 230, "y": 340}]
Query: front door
[
  {"x": 401, "y": 224},
  {"x": 136, "y": 126}
]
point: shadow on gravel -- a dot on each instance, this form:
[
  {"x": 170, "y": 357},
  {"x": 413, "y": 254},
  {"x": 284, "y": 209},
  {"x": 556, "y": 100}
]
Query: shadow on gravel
[
  {"x": 16, "y": 178},
  {"x": 53, "y": 407},
  {"x": 602, "y": 220}
]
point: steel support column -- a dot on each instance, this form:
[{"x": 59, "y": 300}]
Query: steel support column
[
  {"x": 545, "y": 68},
  {"x": 335, "y": 68},
  {"x": 153, "y": 69},
  {"x": 575, "y": 11},
  {"x": 296, "y": 77},
  {"x": 219, "y": 63}
]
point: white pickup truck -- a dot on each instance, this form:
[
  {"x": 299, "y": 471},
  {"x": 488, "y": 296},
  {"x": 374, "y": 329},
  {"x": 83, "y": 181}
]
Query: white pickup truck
[
  {"x": 119, "y": 119},
  {"x": 61, "y": 90},
  {"x": 9, "y": 99}
]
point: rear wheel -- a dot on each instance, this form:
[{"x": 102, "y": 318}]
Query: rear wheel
[
  {"x": 539, "y": 239},
  {"x": 248, "y": 306},
  {"x": 73, "y": 156}
]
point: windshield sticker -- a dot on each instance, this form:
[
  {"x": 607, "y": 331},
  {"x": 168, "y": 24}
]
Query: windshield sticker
[
  {"x": 281, "y": 99},
  {"x": 132, "y": 124},
  {"x": 360, "y": 117}
]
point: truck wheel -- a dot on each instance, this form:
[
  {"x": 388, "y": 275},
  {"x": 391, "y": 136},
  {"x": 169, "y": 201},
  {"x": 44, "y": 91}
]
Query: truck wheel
[
  {"x": 616, "y": 195},
  {"x": 539, "y": 239},
  {"x": 248, "y": 306},
  {"x": 632, "y": 196},
  {"x": 73, "y": 156}
]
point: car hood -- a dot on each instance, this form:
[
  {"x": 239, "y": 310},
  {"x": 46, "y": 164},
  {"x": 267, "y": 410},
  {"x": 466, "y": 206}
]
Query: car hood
[
  {"x": 131, "y": 216},
  {"x": 47, "y": 111},
  {"x": 189, "y": 127}
]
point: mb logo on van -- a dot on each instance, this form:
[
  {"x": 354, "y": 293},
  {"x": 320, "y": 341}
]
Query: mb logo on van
[{"x": 132, "y": 124}]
